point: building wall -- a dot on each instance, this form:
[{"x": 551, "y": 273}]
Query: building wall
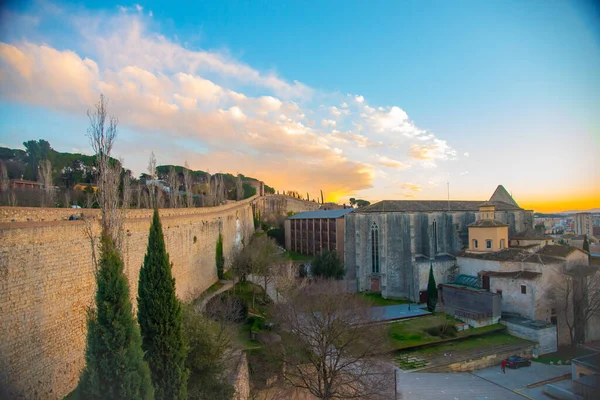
[
  {"x": 47, "y": 282},
  {"x": 405, "y": 236},
  {"x": 495, "y": 234},
  {"x": 273, "y": 206},
  {"x": 584, "y": 224},
  {"x": 443, "y": 272},
  {"x": 476, "y": 307},
  {"x": 545, "y": 337}
]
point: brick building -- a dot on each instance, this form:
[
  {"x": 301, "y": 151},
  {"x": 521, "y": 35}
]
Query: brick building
[{"x": 314, "y": 231}]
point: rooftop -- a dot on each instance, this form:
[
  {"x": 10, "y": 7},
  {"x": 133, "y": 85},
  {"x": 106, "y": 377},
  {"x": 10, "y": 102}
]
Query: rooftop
[
  {"x": 557, "y": 250},
  {"x": 487, "y": 223},
  {"x": 412, "y": 206},
  {"x": 530, "y": 234},
  {"x": 319, "y": 214},
  {"x": 529, "y": 323},
  {"x": 512, "y": 274},
  {"x": 501, "y": 200},
  {"x": 512, "y": 254}
]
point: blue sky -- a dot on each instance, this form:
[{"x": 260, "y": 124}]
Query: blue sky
[{"x": 477, "y": 93}]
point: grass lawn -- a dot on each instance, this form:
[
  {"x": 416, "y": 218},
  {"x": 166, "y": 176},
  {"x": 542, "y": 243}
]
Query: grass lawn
[
  {"x": 213, "y": 288},
  {"x": 564, "y": 354},
  {"x": 243, "y": 338},
  {"x": 245, "y": 290},
  {"x": 228, "y": 275},
  {"x": 377, "y": 300},
  {"x": 292, "y": 255},
  {"x": 478, "y": 342},
  {"x": 410, "y": 333}
]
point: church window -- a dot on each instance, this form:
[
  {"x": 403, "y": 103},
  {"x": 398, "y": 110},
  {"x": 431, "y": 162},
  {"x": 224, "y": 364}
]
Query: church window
[
  {"x": 475, "y": 243},
  {"x": 523, "y": 289},
  {"x": 488, "y": 243},
  {"x": 434, "y": 226},
  {"x": 374, "y": 249}
]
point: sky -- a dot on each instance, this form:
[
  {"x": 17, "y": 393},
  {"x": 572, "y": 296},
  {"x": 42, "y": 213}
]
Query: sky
[{"x": 373, "y": 100}]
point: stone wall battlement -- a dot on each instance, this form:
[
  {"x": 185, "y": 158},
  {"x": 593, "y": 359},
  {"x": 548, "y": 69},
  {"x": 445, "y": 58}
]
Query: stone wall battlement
[{"x": 47, "y": 282}]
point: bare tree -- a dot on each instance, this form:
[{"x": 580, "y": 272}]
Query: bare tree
[
  {"x": 4, "y": 182},
  {"x": 330, "y": 343},
  {"x": 210, "y": 190},
  {"x": 187, "y": 181},
  {"x": 265, "y": 258},
  {"x": 45, "y": 177},
  {"x": 239, "y": 188},
  {"x": 126, "y": 189},
  {"x": 173, "y": 188},
  {"x": 577, "y": 296},
  {"x": 102, "y": 134},
  {"x": 152, "y": 173}
]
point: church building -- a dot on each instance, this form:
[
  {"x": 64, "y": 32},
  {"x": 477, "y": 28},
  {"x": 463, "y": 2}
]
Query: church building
[{"x": 390, "y": 245}]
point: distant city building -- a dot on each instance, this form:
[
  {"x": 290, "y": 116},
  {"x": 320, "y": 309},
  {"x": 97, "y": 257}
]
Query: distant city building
[
  {"x": 313, "y": 232},
  {"x": 583, "y": 224}
]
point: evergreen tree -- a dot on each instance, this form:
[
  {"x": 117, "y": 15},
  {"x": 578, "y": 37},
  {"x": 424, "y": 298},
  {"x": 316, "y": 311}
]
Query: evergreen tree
[
  {"x": 586, "y": 244},
  {"x": 432, "y": 294},
  {"x": 328, "y": 265},
  {"x": 219, "y": 259},
  {"x": 115, "y": 366},
  {"x": 160, "y": 318}
]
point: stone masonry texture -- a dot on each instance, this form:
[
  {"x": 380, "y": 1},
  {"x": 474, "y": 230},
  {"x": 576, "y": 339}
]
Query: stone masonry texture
[{"x": 47, "y": 282}]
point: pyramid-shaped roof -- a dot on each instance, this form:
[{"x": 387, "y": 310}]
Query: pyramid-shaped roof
[{"x": 501, "y": 194}]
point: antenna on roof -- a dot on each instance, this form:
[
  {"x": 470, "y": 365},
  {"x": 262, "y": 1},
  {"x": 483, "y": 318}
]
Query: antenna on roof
[{"x": 448, "y": 196}]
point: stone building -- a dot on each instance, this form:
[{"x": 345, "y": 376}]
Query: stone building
[{"x": 391, "y": 244}]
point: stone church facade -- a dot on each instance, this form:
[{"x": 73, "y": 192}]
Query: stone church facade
[{"x": 390, "y": 245}]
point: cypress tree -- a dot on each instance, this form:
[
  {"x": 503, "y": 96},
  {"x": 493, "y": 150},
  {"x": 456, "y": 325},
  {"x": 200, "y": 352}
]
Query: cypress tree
[
  {"x": 586, "y": 244},
  {"x": 115, "y": 366},
  {"x": 432, "y": 294},
  {"x": 160, "y": 318},
  {"x": 219, "y": 259}
]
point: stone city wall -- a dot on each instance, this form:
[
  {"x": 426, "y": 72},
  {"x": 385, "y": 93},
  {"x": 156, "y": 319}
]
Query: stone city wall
[{"x": 47, "y": 282}]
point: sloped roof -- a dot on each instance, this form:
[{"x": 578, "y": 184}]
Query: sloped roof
[
  {"x": 501, "y": 195},
  {"x": 558, "y": 250},
  {"x": 467, "y": 280},
  {"x": 530, "y": 234},
  {"x": 413, "y": 206},
  {"x": 322, "y": 214},
  {"x": 486, "y": 223},
  {"x": 512, "y": 274},
  {"x": 512, "y": 254}
]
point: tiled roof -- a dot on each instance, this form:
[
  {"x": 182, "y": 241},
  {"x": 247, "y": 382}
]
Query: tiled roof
[
  {"x": 512, "y": 254},
  {"x": 512, "y": 274},
  {"x": 322, "y": 214},
  {"x": 501, "y": 194},
  {"x": 530, "y": 234},
  {"x": 557, "y": 250},
  {"x": 486, "y": 223},
  {"x": 413, "y": 206}
]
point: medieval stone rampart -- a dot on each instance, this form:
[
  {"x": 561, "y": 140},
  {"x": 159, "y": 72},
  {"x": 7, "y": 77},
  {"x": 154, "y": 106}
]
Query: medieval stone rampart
[{"x": 47, "y": 282}]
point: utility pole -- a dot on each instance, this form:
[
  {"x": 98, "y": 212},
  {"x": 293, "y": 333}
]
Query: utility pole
[{"x": 448, "y": 196}]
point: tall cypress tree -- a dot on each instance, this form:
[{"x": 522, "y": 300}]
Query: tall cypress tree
[
  {"x": 115, "y": 366},
  {"x": 219, "y": 259},
  {"x": 432, "y": 294},
  {"x": 586, "y": 244},
  {"x": 160, "y": 318}
]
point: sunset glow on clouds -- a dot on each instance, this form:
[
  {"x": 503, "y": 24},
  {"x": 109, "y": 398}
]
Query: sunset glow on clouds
[
  {"x": 221, "y": 114},
  {"x": 157, "y": 87}
]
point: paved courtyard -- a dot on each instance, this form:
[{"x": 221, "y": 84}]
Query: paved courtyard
[{"x": 489, "y": 383}]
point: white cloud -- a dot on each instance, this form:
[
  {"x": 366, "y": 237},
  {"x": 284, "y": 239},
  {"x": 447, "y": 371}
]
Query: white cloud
[
  {"x": 413, "y": 187},
  {"x": 464, "y": 173},
  {"x": 390, "y": 163},
  {"x": 165, "y": 92},
  {"x": 138, "y": 7},
  {"x": 328, "y": 123},
  {"x": 466, "y": 154}
]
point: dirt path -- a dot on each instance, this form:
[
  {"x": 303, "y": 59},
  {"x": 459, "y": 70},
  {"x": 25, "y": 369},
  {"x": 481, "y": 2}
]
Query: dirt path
[{"x": 226, "y": 286}]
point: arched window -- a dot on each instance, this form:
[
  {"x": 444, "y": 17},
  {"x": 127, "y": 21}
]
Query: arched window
[
  {"x": 435, "y": 243},
  {"x": 374, "y": 248}
]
